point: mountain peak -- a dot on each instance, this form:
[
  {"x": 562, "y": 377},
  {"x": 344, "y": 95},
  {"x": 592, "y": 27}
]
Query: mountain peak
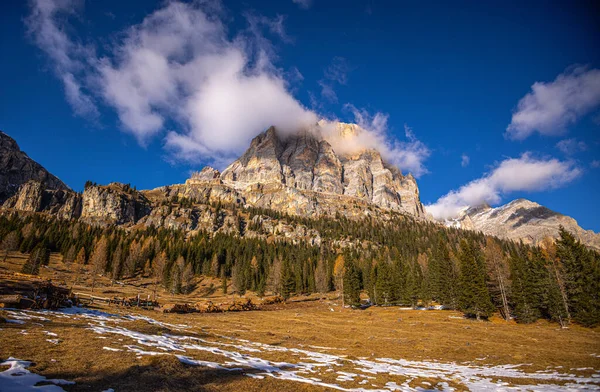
[
  {"x": 305, "y": 161},
  {"x": 16, "y": 169}
]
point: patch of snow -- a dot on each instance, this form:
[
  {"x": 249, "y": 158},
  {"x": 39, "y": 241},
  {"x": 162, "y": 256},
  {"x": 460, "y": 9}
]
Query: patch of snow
[
  {"x": 18, "y": 379},
  {"x": 15, "y": 321},
  {"x": 111, "y": 349},
  {"x": 306, "y": 366}
]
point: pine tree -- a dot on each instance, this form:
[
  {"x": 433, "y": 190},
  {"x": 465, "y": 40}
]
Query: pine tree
[
  {"x": 352, "y": 284},
  {"x": 288, "y": 281},
  {"x": 474, "y": 297},
  {"x": 238, "y": 279},
  {"x": 36, "y": 259},
  {"x": 176, "y": 275},
  {"x": 117, "y": 262},
  {"x": 582, "y": 273}
]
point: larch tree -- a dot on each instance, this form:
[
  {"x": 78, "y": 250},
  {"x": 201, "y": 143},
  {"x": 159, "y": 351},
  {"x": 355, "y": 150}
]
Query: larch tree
[
  {"x": 80, "y": 256},
  {"x": 339, "y": 268},
  {"x": 158, "y": 270},
  {"x": 321, "y": 280},
  {"x": 274, "y": 279},
  {"x": 99, "y": 259},
  {"x": 10, "y": 243},
  {"x": 117, "y": 262},
  {"x": 498, "y": 272},
  {"x": 187, "y": 278}
]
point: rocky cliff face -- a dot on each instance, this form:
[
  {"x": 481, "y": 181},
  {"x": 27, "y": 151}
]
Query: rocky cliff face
[
  {"x": 523, "y": 220},
  {"x": 34, "y": 196},
  {"x": 16, "y": 168},
  {"x": 113, "y": 204},
  {"x": 303, "y": 169}
]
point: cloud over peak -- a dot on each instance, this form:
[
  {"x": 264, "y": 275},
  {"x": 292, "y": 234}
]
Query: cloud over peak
[
  {"x": 550, "y": 107},
  {"x": 525, "y": 173},
  {"x": 181, "y": 75},
  {"x": 409, "y": 155}
]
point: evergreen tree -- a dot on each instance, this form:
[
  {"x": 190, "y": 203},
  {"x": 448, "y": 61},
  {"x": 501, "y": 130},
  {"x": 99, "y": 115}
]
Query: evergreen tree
[
  {"x": 474, "y": 297},
  {"x": 288, "y": 282},
  {"x": 352, "y": 284},
  {"x": 40, "y": 256},
  {"x": 582, "y": 273}
]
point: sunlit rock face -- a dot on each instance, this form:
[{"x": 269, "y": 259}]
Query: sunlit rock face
[
  {"x": 113, "y": 204},
  {"x": 523, "y": 220},
  {"x": 34, "y": 196},
  {"x": 300, "y": 173}
]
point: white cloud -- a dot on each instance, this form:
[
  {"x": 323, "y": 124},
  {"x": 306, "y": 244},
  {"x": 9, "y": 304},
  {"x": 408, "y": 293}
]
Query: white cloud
[
  {"x": 595, "y": 164},
  {"x": 571, "y": 146},
  {"x": 464, "y": 160},
  {"x": 180, "y": 73},
  {"x": 46, "y": 24},
  {"x": 305, "y": 4},
  {"x": 179, "y": 65},
  {"x": 408, "y": 155},
  {"x": 550, "y": 107},
  {"x": 525, "y": 173}
]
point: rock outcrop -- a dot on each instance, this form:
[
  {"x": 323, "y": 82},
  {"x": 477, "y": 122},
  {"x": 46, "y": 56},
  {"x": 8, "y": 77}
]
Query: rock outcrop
[
  {"x": 113, "y": 204},
  {"x": 16, "y": 168},
  {"x": 34, "y": 196},
  {"x": 523, "y": 220},
  {"x": 304, "y": 170}
]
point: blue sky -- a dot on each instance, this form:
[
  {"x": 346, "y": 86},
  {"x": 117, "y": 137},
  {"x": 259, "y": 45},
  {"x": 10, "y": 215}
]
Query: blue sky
[{"x": 454, "y": 74}]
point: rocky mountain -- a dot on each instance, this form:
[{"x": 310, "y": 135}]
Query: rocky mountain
[
  {"x": 524, "y": 220},
  {"x": 299, "y": 175},
  {"x": 16, "y": 168}
]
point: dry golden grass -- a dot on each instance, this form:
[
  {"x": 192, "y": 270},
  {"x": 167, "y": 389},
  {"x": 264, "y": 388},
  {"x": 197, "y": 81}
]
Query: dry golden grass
[{"x": 371, "y": 333}]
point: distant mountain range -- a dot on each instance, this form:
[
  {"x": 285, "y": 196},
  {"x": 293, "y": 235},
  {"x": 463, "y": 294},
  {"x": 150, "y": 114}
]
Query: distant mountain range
[
  {"x": 522, "y": 220},
  {"x": 299, "y": 174}
]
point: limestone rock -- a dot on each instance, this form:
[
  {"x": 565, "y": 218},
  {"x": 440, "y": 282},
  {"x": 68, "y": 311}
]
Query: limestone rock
[
  {"x": 16, "y": 168},
  {"x": 523, "y": 220},
  {"x": 297, "y": 174},
  {"x": 113, "y": 204},
  {"x": 33, "y": 196}
]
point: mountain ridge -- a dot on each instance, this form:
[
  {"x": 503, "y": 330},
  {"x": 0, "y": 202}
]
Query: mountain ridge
[
  {"x": 295, "y": 174},
  {"x": 524, "y": 220},
  {"x": 17, "y": 168}
]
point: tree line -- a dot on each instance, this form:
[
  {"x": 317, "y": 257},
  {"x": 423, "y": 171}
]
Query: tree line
[{"x": 400, "y": 262}]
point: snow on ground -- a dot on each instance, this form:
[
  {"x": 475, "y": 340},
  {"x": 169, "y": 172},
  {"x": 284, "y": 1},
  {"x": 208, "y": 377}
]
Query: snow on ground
[
  {"x": 18, "y": 379},
  {"x": 308, "y": 366}
]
